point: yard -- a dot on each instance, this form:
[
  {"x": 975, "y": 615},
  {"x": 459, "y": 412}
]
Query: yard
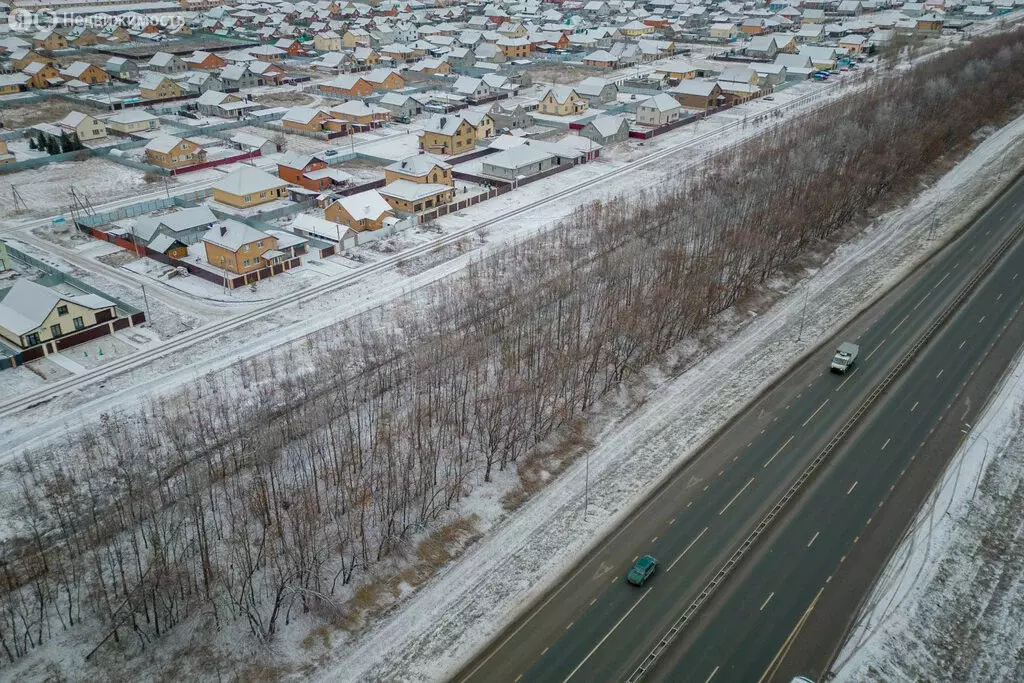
[{"x": 41, "y": 111}]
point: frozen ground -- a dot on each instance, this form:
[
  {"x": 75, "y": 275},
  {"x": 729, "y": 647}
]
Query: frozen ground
[{"x": 445, "y": 623}]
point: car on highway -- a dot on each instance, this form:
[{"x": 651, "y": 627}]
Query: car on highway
[{"x": 642, "y": 570}]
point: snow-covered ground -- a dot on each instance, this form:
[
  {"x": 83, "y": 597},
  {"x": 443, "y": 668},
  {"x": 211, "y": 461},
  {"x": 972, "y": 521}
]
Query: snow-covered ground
[{"x": 448, "y": 620}]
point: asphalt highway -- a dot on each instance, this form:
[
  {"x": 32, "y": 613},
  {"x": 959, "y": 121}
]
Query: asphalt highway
[{"x": 596, "y": 627}]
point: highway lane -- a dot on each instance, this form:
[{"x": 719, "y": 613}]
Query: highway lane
[
  {"x": 745, "y": 629},
  {"x": 595, "y": 627}
]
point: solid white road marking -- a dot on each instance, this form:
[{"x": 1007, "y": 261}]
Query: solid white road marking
[
  {"x": 736, "y": 496},
  {"x": 900, "y": 323},
  {"x": 813, "y": 539},
  {"x": 939, "y": 375},
  {"x": 777, "y": 452},
  {"x": 601, "y": 642},
  {"x": 706, "y": 680},
  {"x": 814, "y": 413},
  {"x": 843, "y": 383},
  {"x": 570, "y": 625},
  {"x": 686, "y": 550},
  {"x": 886, "y": 443},
  {"x": 981, "y": 319},
  {"x": 961, "y": 344},
  {"x": 922, "y": 300},
  {"x": 914, "y": 407},
  {"x": 852, "y": 487},
  {"x": 766, "y": 601}
]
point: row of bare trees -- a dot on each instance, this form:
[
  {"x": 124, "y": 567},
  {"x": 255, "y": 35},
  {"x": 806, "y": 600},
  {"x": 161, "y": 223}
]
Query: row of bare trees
[{"x": 262, "y": 491}]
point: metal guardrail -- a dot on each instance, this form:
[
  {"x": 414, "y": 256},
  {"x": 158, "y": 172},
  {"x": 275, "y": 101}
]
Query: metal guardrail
[{"x": 730, "y": 564}]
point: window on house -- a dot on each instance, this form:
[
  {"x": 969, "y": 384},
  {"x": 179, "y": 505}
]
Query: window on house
[
  {"x": 259, "y": 244},
  {"x": 62, "y": 310},
  {"x": 245, "y": 262},
  {"x": 79, "y": 323},
  {"x": 32, "y": 339},
  {"x": 248, "y": 198},
  {"x": 245, "y": 247},
  {"x": 55, "y": 330}
]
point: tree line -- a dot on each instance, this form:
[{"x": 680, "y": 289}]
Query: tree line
[{"x": 260, "y": 492}]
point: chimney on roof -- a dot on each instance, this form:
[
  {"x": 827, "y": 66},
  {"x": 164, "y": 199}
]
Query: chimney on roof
[
  {"x": 223, "y": 229},
  {"x": 444, "y": 120}
]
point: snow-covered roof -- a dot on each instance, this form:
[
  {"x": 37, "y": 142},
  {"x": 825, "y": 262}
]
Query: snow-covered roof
[
  {"x": 232, "y": 234},
  {"x": 27, "y": 304},
  {"x": 418, "y": 165},
  {"x": 412, "y": 191},
  {"x": 247, "y": 180},
  {"x": 368, "y": 205}
]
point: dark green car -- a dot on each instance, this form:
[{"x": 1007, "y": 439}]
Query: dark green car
[{"x": 642, "y": 570}]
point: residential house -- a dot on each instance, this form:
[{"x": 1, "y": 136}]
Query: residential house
[
  {"x": 249, "y": 186},
  {"x": 754, "y": 26},
  {"x": 698, "y": 94},
  {"x": 384, "y": 79},
  {"x": 854, "y": 44},
  {"x": 85, "y": 72},
  {"x": 166, "y": 63},
  {"x": 448, "y": 134},
  {"x": 366, "y": 56},
  {"x": 420, "y": 168},
  {"x": 86, "y": 127},
  {"x": 309, "y": 119},
  {"x": 562, "y": 100},
  {"x": 157, "y": 86},
  {"x": 606, "y": 130},
  {"x": 348, "y": 85},
  {"x": 185, "y": 226},
  {"x": 798, "y": 66},
  {"x": 168, "y": 151},
  {"x": 358, "y": 114},
  {"x": 199, "y": 82},
  {"x": 239, "y": 248},
  {"x": 296, "y": 168},
  {"x": 597, "y": 91},
  {"x": 327, "y": 41},
  {"x": 271, "y": 74},
  {"x": 400, "y": 105},
  {"x": 31, "y": 314},
  {"x": 519, "y": 162},
  {"x": 122, "y": 68},
  {"x": 239, "y": 76},
  {"x": 515, "y": 48},
  {"x": 21, "y": 58},
  {"x": 658, "y": 111},
  {"x": 677, "y": 70},
  {"x": 42, "y": 75},
  {"x": 363, "y": 211},
  {"x": 761, "y": 47},
  {"x": 205, "y": 61},
  {"x": 481, "y": 121},
  {"x": 49, "y": 40},
  {"x": 411, "y": 197},
  {"x": 291, "y": 47},
  {"x": 509, "y": 117},
  {"x": 356, "y": 36},
  {"x": 821, "y": 57},
  {"x": 211, "y": 103},
  {"x": 724, "y": 30},
  {"x": 473, "y": 89},
  {"x": 601, "y": 58},
  {"x": 432, "y": 67},
  {"x": 12, "y": 83},
  {"x": 813, "y": 16}
]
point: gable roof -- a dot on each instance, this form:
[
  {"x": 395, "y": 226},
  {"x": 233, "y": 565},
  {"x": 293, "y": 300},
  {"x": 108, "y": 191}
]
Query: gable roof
[
  {"x": 232, "y": 234},
  {"x": 176, "y": 221},
  {"x": 418, "y": 165},
  {"x": 247, "y": 180},
  {"x": 561, "y": 93},
  {"x": 368, "y": 205},
  {"x": 27, "y": 304}
]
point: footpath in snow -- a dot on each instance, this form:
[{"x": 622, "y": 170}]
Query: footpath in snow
[{"x": 442, "y": 626}]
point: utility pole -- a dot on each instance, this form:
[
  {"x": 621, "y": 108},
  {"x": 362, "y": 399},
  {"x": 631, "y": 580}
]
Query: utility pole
[{"x": 145, "y": 299}]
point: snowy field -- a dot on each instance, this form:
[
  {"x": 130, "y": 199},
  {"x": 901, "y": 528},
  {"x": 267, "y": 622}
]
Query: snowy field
[{"x": 446, "y": 622}]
